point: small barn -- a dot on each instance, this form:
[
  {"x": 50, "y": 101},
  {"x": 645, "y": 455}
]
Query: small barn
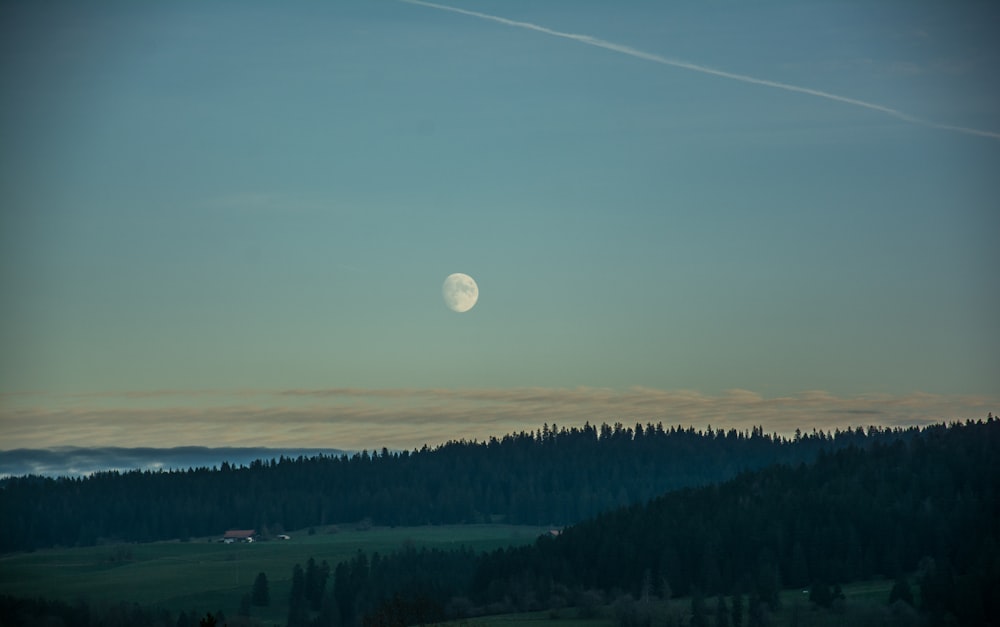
[{"x": 239, "y": 535}]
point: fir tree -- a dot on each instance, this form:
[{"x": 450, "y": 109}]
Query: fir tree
[{"x": 260, "y": 594}]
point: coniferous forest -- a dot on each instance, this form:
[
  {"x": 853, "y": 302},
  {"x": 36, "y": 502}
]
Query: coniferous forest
[
  {"x": 926, "y": 505},
  {"x": 549, "y": 477},
  {"x": 916, "y": 505}
]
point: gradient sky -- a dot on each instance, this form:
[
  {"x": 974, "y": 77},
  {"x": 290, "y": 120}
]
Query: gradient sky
[{"x": 228, "y": 223}]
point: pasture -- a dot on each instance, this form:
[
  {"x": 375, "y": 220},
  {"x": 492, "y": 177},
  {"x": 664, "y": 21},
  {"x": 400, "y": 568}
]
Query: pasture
[{"x": 206, "y": 575}]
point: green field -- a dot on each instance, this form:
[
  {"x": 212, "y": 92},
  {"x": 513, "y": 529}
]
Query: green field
[{"x": 206, "y": 575}]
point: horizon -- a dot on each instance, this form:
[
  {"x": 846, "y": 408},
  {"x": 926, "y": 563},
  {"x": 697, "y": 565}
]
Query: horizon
[{"x": 231, "y": 227}]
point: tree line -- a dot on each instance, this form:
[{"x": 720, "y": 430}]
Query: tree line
[{"x": 552, "y": 476}]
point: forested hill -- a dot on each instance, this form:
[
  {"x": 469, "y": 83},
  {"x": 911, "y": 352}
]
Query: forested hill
[
  {"x": 553, "y": 476},
  {"x": 924, "y": 509},
  {"x": 929, "y": 504}
]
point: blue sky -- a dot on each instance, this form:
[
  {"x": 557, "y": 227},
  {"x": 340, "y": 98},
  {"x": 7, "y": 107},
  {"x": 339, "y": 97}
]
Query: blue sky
[{"x": 219, "y": 214}]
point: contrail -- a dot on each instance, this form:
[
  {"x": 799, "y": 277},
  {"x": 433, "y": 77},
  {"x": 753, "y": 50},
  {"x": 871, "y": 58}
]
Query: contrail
[{"x": 743, "y": 78}]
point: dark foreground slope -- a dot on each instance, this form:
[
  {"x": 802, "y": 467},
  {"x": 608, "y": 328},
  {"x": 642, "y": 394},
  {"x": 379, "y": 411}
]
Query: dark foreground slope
[
  {"x": 554, "y": 476},
  {"x": 928, "y": 505}
]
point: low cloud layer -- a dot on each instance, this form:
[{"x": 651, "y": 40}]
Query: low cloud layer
[
  {"x": 75, "y": 461},
  {"x": 357, "y": 418}
]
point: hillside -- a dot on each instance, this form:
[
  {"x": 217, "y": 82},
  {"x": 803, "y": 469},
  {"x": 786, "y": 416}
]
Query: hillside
[
  {"x": 926, "y": 506},
  {"x": 929, "y": 504}
]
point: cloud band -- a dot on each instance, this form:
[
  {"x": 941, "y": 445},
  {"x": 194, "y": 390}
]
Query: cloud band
[{"x": 404, "y": 418}]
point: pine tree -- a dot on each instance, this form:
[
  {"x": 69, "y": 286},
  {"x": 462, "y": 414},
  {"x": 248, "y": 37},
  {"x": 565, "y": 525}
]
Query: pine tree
[
  {"x": 314, "y": 584},
  {"x": 260, "y": 594},
  {"x": 298, "y": 606}
]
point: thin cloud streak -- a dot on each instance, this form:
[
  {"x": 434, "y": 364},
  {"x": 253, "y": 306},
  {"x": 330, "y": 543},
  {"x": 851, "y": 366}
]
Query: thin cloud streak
[
  {"x": 357, "y": 418},
  {"x": 743, "y": 78}
]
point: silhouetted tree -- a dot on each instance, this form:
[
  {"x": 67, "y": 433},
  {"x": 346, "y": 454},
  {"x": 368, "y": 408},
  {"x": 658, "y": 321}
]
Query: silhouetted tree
[
  {"x": 298, "y": 605},
  {"x": 260, "y": 594},
  {"x": 315, "y": 582}
]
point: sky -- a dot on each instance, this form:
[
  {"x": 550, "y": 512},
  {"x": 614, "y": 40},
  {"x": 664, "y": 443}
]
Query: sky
[{"x": 228, "y": 224}]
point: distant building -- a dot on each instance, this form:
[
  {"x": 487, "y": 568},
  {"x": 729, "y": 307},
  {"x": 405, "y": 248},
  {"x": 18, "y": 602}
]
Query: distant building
[
  {"x": 284, "y": 536},
  {"x": 239, "y": 535}
]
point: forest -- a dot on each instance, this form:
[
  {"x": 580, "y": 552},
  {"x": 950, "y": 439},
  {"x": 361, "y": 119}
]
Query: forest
[
  {"x": 917, "y": 505},
  {"x": 926, "y": 506},
  {"x": 552, "y": 476}
]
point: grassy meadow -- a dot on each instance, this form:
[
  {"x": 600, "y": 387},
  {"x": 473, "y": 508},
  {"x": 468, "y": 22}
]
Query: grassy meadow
[{"x": 206, "y": 575}]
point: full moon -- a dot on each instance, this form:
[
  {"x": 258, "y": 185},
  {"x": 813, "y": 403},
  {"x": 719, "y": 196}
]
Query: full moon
[{"x": 460, "y": 292}]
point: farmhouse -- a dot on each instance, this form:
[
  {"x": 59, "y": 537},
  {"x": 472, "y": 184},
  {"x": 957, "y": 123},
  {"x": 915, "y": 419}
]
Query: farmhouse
[{"x": 239, "y": 535}]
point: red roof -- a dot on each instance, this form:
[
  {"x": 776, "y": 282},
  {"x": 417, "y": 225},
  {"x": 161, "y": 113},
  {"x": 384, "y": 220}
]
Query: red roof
[{"x": 240, "y": 534}]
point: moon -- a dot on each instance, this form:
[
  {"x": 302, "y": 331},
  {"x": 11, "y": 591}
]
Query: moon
[{"x": 460, "y": 292}]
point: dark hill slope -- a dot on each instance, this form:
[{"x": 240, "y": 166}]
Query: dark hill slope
[{"x": 930, "y": 502}]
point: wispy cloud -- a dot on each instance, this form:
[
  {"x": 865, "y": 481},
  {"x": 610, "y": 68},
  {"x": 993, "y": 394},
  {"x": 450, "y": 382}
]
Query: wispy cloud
[
  {"x": 356, "y": 418},
  {"x": 703, "y": 69}
]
